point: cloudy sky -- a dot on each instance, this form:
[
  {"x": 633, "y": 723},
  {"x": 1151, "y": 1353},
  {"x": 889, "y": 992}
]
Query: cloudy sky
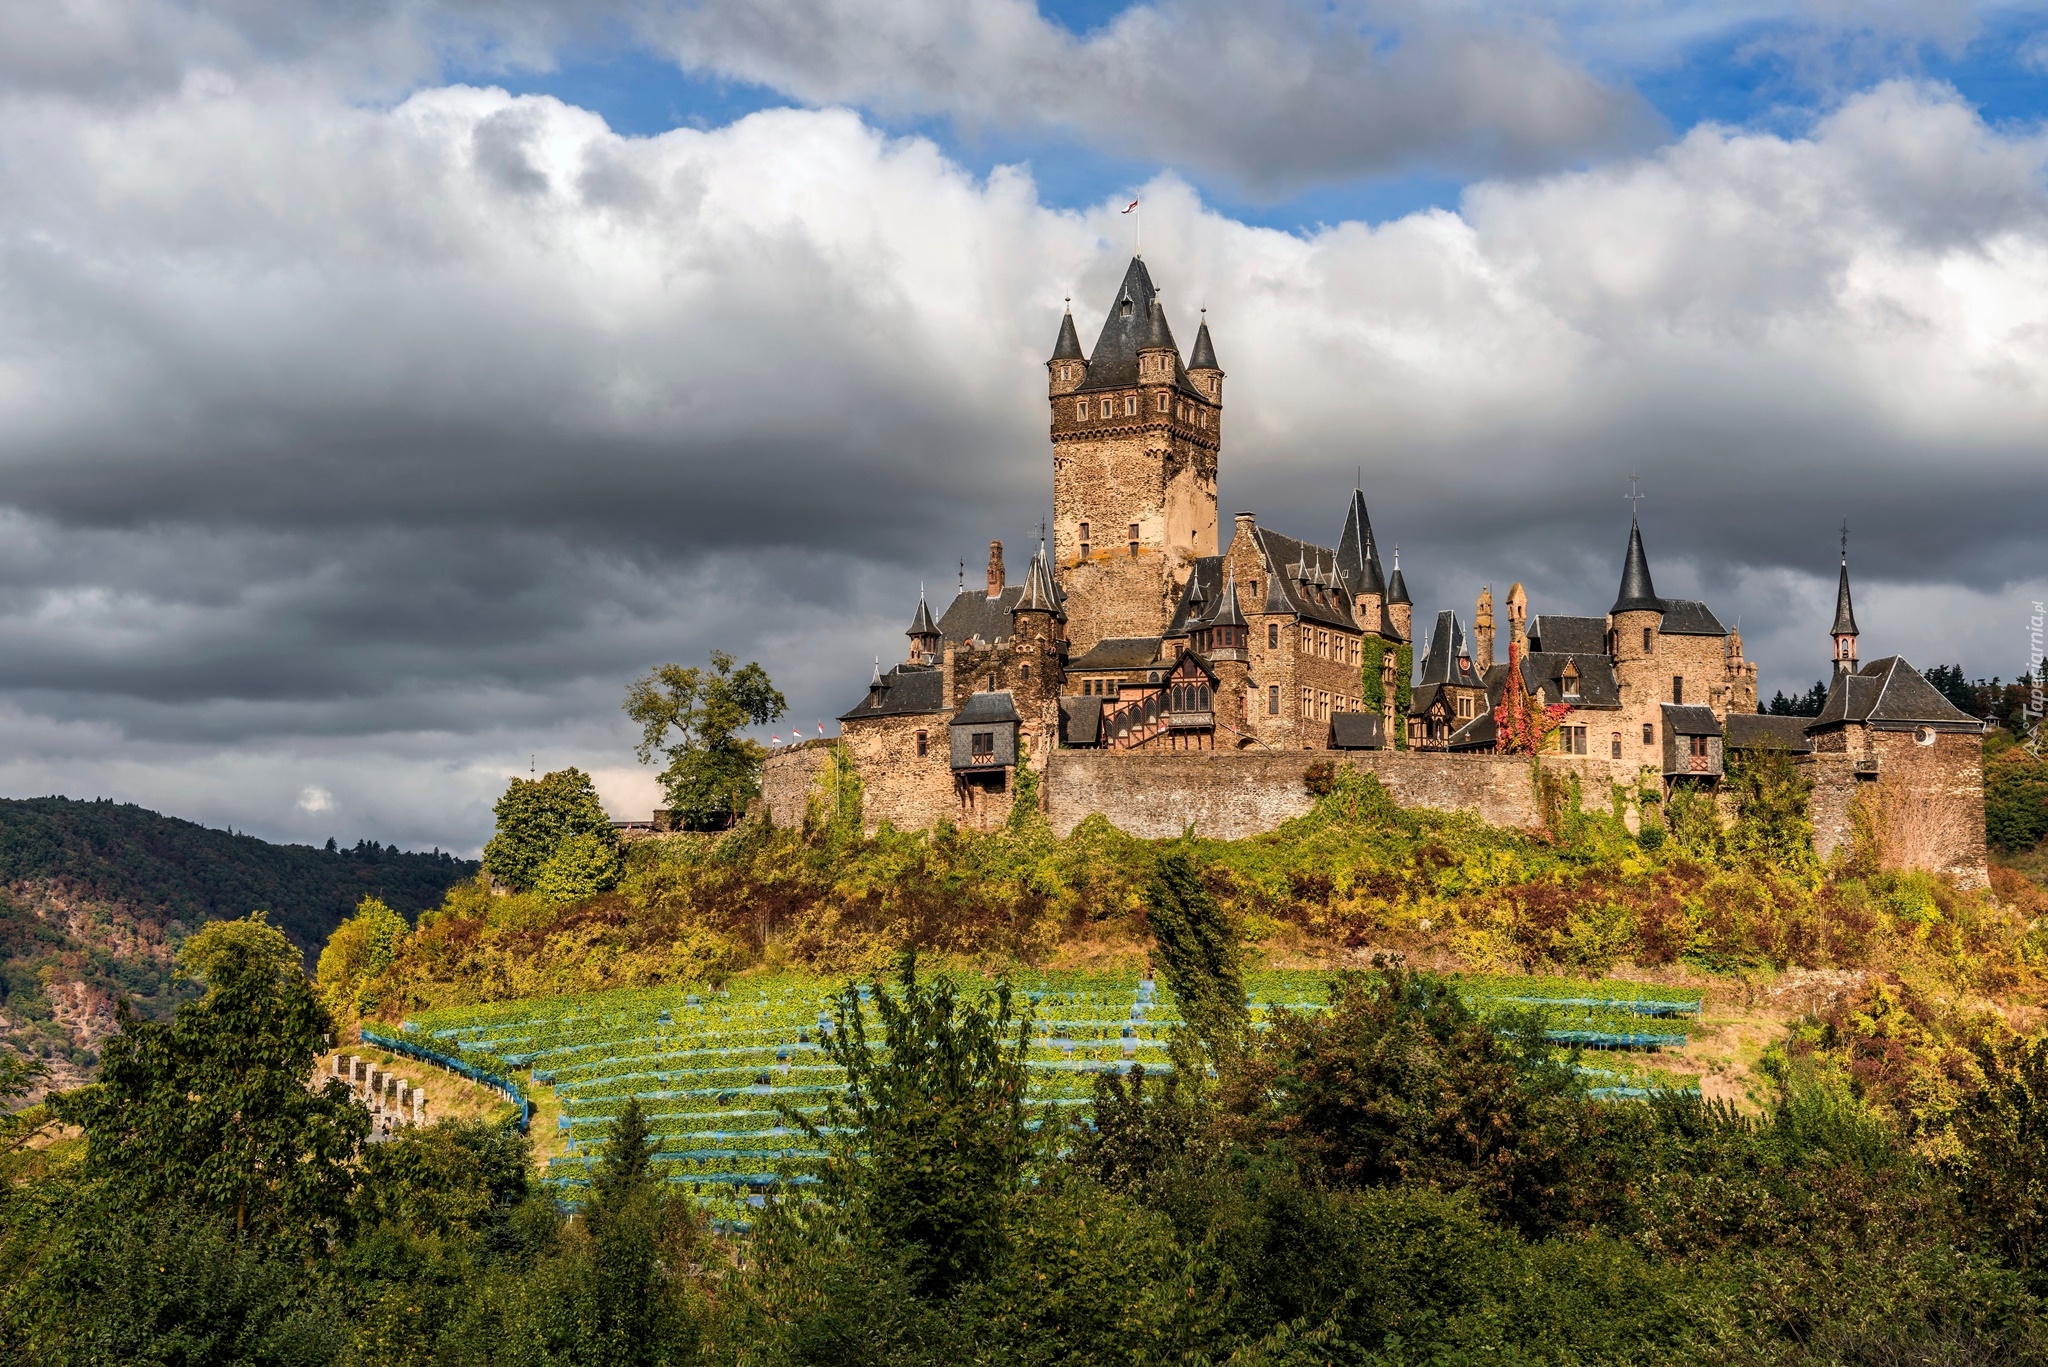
[{"x": 383, "y": 386}]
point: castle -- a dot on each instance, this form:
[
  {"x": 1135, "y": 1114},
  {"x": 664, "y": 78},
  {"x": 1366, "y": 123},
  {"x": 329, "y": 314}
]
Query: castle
[{"x": 1147, "y": 671}]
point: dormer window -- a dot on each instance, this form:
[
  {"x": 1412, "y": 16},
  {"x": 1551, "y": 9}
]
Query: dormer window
[{"x": 1124, "y": 309}]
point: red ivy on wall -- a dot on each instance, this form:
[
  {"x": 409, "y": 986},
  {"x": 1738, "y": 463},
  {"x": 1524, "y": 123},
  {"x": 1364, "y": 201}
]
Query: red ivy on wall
[{"x": 1522, "y": 724}]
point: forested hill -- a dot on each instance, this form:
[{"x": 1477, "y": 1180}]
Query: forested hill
[{"x": 95, "y": 895}]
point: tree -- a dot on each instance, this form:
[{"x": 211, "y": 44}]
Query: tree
[
  {"x": 1948, "y": 680},
  {"x": 691, "y": 717},
  {"x": 536, "y": 818},
  {"x": 1198, "y": 951},
  {"x": 583, "y": 864},
  {"x": 360, "y": 948},
  {"x": 1808, "y": 704},
  {"x": 939, "y": 1123},
  {"x": 1772, "y": 820},
  {"x": 212, "y": 1110}
]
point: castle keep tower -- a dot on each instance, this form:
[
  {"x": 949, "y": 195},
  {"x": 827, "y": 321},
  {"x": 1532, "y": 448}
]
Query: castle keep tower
[{"x": 1135, "y": 439}]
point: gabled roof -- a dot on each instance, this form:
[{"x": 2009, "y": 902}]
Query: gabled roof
[
  {"x": 973, "y": 613},
  {"x": 1889, "y": 694},
  {"x": 1114, "y": 362},
  {"x": 1688, "y": 719},
  {"x": 1757, "y": 730},
  {"x": 1302, "y": 578},
  {"x": 1204, "y": 355},
  {"x": 1422, "y": 697},
  {"x": 1081, "y": 720},
  {"x": 1118, "y": 652},
  {"x": 906, "y": 690},
  {"x": 1555, "y": 635},
  {"x": 986, "y": 709},
  {"x": 1198, "y": 596},
  {"x": 1358, "y": 559},
  {"x": 1449, "y": 660},
  {"x": 1481, "y": 733},
  {"x": 1068, "y": 347},
  {"x": 1637, "y": 593},
  {"x": 1689, "y": 617},
  {"x": 1845, "y": 613},
  {"x": 921, "y": 623}
]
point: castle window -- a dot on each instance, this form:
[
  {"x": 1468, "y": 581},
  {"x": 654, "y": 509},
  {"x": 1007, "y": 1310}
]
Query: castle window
[
  {"x": 1272, "y": 635},
  {"x": 1084, "y": 541},
  {"x": 1130, "y": 405},
  {"x": 1923, "y": 735},
  {"x": 1649, "y": 733},
  {"x": 1322, "y": 706},
  {"x": 1572, "y": 740},
  {"x": 991, "y": 683},
  {"x": 1027, "y": 674},
  {"x": 981, "y": 744},
  {"x": 1273, "y": 700},
  {"x": 1081, "y": 409},
  {"x": 1646, "y": 640},
  {"x": 1699, "y": 746},
  {"x": 1134, "y": 538},
  {"x": 1678, "y": 688},
  {"x": 1616, "y": 753},
  {"x": 923, "y": 745}
]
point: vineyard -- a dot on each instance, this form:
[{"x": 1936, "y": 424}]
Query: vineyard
[{"x": 714, "y": 1069}]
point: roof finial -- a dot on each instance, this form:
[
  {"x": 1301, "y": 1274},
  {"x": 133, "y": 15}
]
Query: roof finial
[
  {"x": 1634, "y": 495},
  {"x": 1397, "y": 555},
  {"x": 1845, "y": 541},
  {"x": 963, "y": 576}
]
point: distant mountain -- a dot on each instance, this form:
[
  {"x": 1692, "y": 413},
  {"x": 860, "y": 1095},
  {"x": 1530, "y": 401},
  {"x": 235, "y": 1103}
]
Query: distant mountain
[{"x": 95, "y": 896}]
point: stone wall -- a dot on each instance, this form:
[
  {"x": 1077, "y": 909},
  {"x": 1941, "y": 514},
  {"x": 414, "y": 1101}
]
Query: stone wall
[
  {"x": 1233, "y": 794},
  {"x": 1925, "y": 799},
  {"x": 789, "y": 777}
]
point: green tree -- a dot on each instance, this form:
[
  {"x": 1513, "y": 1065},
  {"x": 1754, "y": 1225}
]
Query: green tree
[
  {"x": 536, "y": 818},
  {"x": 691, "y": 716},
  {"x": 1772, "y": 823},
  {"x": 212, "y": 1110},
  {"x": 360, "y": 948},
  {"x": 1198, "y": 952},
  {"x": 942, "y": 1133},
  {"x": 583, "y": 864}
]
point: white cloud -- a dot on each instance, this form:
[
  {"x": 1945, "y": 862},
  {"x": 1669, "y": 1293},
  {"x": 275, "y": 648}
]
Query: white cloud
[
  {"x": 313, "y": 800},
  {"x": 387, "y": 444}
]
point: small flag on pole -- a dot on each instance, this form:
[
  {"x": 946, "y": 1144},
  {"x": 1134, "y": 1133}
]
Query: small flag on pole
[
  {"x": 821, "y": 728},
  {"x": 1132, "y": 205}
]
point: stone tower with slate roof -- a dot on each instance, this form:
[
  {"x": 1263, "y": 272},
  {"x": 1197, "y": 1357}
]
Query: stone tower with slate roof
[{"x": 1136, "y": 433}]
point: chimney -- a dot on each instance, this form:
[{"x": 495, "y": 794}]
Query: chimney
[
  {"x": 1518, "y": 619},
  {"x": 995, "y": 569},
  {"x": 1482, "y": 622}
]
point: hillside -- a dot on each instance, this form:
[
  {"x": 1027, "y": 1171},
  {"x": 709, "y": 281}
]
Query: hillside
[{"x": 95, "y": 896}]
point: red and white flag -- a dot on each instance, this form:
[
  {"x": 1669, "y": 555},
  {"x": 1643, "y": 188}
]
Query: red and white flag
[{"x": 1132, "y": 205}]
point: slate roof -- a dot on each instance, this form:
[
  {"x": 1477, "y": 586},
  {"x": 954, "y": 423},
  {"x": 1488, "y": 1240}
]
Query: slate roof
[
  {"x": 906, "y": 690},
  {"x": 1068, "y": 347},
  {"x": 1302, "y": 579},
  {"x": 1481, "y": 733},
  {"x": 986, "y": 709},
  {"x": 973, "y": 613},
  {"x": 1421, "y": 696},
  {"x": 1637, "y": 593},
  {"x": 1688, "y": 719},
  {"x": 921, "y": 623},
  {"x": 1845, "y": 612},
  {"x": 1356, "y": 731},
  {"x": 1081, "y": 720},
  {"x": 1118, "y": 652},
  {"x": 1198, "y": 596},
  {"x": 1755, "y": 730},
  {"x": 1599, "y": 685},
  {"x": 1358, "y": 558},
  {"x": 1040, "y": 594},
  {"x": 1689, "y": 617},
  {"x": 1397, "y": 587},
  {"x": 1204, "y": 355},
  {"x": 1114, "y": 362},
  {"x": 1889, "y": 694},
  {"x": 1227, "y": 613},
  {"x": 1449, "y": 658},
  {"x": 1568, "y": 635}
]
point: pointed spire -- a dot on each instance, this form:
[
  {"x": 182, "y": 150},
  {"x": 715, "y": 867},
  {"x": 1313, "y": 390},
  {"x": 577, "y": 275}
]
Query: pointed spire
[
  {"x": 1157, "y": 333},
  {"x": 1637, "y": 593},
  {"x": 1039, "y": 593},
  {"x": 1845, "y": 615},
  {"x": 1204, "y": 355},
  {"x": 1397, "y": 587},
  {"x": 1358, "y": 559},
  {"x": 1227, "y": 612},
  {"x": 1068, "y": 347},
  {"x": 921, "y": 624},
  {"x": 876, "y": 682}
]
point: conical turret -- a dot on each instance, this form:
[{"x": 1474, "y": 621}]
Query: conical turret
[
  {"x": 1637, "y": 593},
  {"x": 1039, "y": 593},
  {"x": 1067, "y": 371},
  {"x": 923, "y": 633},
  {"x": 1358, "y": 559},
  {"x": 1204, "y": 354}
]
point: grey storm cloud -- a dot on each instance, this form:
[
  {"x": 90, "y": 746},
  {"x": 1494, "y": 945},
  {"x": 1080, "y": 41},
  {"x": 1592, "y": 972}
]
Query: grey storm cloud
[{"x": 356, "y": 452}]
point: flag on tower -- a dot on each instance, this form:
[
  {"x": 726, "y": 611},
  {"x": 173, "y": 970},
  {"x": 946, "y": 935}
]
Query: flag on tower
[{"x": 1132, "y": 205}]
